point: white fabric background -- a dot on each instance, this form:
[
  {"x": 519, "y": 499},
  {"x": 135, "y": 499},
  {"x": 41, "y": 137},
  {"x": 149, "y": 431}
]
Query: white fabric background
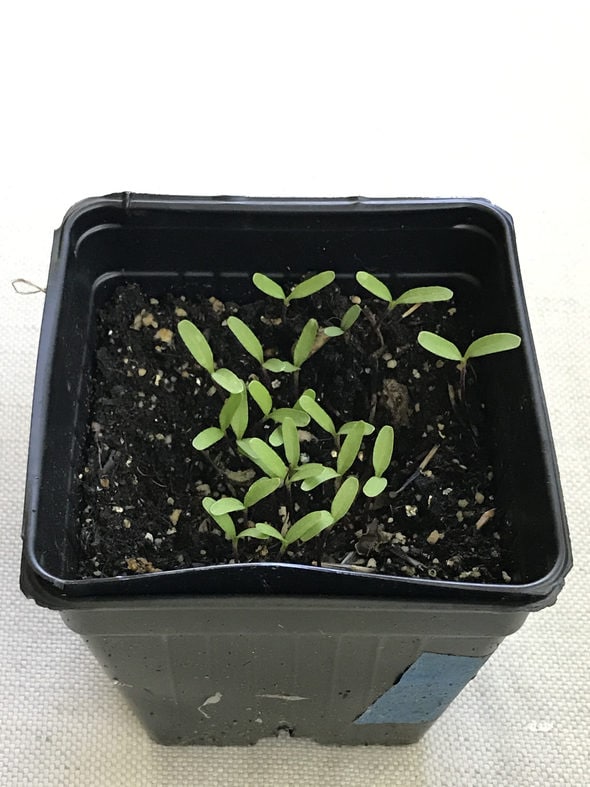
[{"x": 311, "y": 99}]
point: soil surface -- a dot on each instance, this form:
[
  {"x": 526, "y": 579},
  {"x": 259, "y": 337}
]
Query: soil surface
[{"x": 143, "y": 483}]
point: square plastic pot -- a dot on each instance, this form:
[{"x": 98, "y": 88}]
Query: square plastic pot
[{"x": 231, "y": 654}]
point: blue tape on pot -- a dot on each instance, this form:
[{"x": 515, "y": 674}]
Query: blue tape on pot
[{"x": 424, "y": 690}]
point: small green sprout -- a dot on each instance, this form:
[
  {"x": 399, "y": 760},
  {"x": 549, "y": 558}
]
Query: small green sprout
[
  {"x": 382, "y": 453},
  {"x": 247, "y": 338},
  {"x": 199, "y": 347},
  {"x": 344, "y": 498},
  {"x": 415, "y": 295},
  {"x": 224, "y": 521},
  {"x": 304, "y": 529},
  {"x": 305, "y": 342},
  {"x": 346, "y": 323},
  {"x": 485, "y": 345},
  {"x": 261, "y": 396},
  {"x": 234, "y": 413},
  {"x": 350, "y": 447},
  {"x": 303, "y": 290}
]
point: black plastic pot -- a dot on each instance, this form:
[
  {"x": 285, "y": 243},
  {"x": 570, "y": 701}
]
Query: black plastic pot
[{"x": 230, "y": 654}]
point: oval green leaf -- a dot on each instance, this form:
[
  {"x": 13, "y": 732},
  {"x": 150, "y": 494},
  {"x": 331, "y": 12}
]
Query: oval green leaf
[
  {"x": 344, "y": 498},
  {"x": 311, "y": 285},
  {"x": 332, "y": 331},
  {"x": 197, "y": 345},
  {"x": 261, "y": 396},
  {"x": 276, "y": 366},
  {"x": 347, "y": 428},
  {"x": 224, "y": 521},
  {"x": 239, "y": 421},
  {"x": 228, "y": 380},
  {"x": 276, "y": 437},
  {"x": 309, "y": 526},
  {"x": 261, "y": 489},
  {"x": 439, "y": 346},
  {"x": 268, "y": 531},
  {"x": 425, "y": 295},
  {"x": 207, "y": 438},
  {"x": 226, "y": 505},
  {"x": 374, "y": 486},
  {"x": 264, "y": 456},
  {"x": 246, "y": 337},
  {"x": 300, "y": 417},
  {"x": 350, "y": 317},
  {"x": 383, "y": 450},
  {"x": 374, "y": 286},
  {"x": 305, "y": 342},
  {"x": 291, "y": 441},
  {"x": 492, "y": 343},
  {"x": 326, "y": 475},
  {"x": 319, "y": 415},
  {"x": 227, "y": 411},
  {"x": 252, "y": 532},
  {"x": 350, "y": 448},
  {"x": 268, "y": 286},
  {"x": 309, "y": 470}
]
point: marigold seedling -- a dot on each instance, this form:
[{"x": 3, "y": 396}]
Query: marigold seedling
[
  {"x": 485, "y": 345},
  {"x": 416, "y": 295},
  {"x": 382, "y": 453},
  {"x": 304, "y": 529},
  {"x": 346, "y": 323},
  {"x": 199, "y": 347},
  {"x": 247, "y": 338},
  {"x": 302, "y": 290}
]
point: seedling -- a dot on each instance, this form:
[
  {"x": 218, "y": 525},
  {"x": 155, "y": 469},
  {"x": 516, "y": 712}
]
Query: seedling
[
  {"x": 225, "y": 522},
  {"x": 303, "y": 290},
  {"x": 346, "y": 323},
  {"x": 199, "y": 347},
  {"x": 304, "y": 529},
  {"x": 485, "y": 345},
  {"x": 382, "y": 453},
  {"x": 234, "y": 413},
  {"x": 416, "y": 295}
]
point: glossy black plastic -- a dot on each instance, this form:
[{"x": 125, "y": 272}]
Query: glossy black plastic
[{"x": 186, "y": 244}]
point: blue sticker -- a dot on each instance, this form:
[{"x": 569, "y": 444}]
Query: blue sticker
[{"x": 424, "y": 690}]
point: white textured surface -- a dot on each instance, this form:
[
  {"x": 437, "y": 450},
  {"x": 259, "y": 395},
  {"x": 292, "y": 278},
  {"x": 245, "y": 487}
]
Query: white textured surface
[{"x": 324, "y": 99}]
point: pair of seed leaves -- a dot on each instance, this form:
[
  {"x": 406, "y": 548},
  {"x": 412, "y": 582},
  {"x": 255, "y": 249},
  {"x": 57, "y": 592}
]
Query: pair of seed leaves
[{"x": 485, "y": 345}]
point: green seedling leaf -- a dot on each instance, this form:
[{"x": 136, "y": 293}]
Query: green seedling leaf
[
  {"x": 326, "y": 475},
  {"x": 492, "y": 343},
  {"x": 311, "y": 285},
  {"x": 439, "y": 346},
  {"x": 227, "y": 505},
  {"x": 344, "y": 498},
  {"x": 305, "y": 342},
  {"x": 239, "y": 421},
  {"x": 197, "y": 345},
  {"x": 319, "y": 415},
  {"x": 374, "y": 286},
  {"x": 374, "y": 486},
  {"x": 383, "y": 450},
  {"x": 350, "y": 448},
  {"x": 309, "y": 526},
  {"x": 268, "y": 286},
  {"x": 309, "y": 470},
  {"x": 425, "y": 295},
  {"x": 227, "y": 411},
  {"x": 252, "y": 532},
  {"x": 332, "y": 331},
  {"x": 228, "y": 380},
  {"x": 300, "y": 417},
  {"x": 347, "y": 428},
  {"x": 350, "y": 317},
  {"x": 261, "y": 396},
  {"x": 246, "y": 337},
  {"x": 207, "y": 438},
  {"x": 224, "y": 521},
  {"x": 268, "y": 531},
  {"x": 276, "y": 437},
  {"x": 310, "y": 393},
  {"x": 264, "y": 456},
  {"x": 291, "y": 441},
  {"x": 261, "y": 489},
  {"x": 276, "y": 366}
]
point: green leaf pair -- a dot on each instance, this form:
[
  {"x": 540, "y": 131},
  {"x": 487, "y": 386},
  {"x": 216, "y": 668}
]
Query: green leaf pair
[
  {"x": 303, "y": 290},
  {"x": 382, "y": 453},
  {"x": 416, "y": 295},
  {"x": 346, "y": 323},
  {"x": 304, "y": 529},
  {"x": 199, "y": 347},
  {"x": 485, "y": 345}
]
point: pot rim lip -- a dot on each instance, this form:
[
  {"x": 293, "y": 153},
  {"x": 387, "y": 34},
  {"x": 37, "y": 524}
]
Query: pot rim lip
[{"x": 537, "y": 593}]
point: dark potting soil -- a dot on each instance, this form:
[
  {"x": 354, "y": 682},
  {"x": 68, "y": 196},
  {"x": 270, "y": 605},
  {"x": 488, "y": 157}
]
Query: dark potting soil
[{"x": 143, "y": 483}]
